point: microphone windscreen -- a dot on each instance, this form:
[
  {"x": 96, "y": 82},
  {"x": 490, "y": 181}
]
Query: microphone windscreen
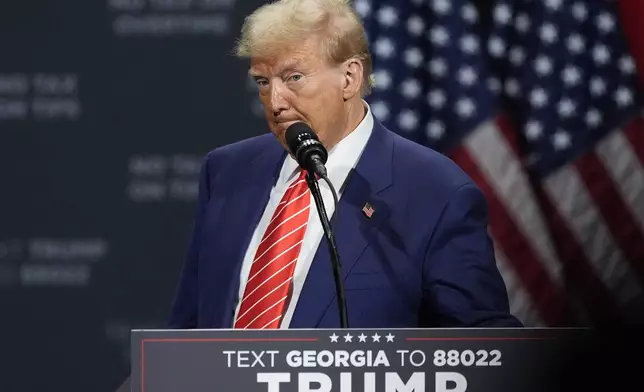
[{"x": 296, "y": 133}]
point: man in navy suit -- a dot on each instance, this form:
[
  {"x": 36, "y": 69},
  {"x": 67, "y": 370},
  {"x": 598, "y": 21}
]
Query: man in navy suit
[{"x": 411, "y": 227}]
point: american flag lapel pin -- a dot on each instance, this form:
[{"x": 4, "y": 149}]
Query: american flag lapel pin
[{"x": 368, "y": 210}]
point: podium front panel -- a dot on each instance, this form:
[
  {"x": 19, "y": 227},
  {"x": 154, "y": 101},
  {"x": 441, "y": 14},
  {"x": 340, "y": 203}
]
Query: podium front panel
[{"x": 371, "y": 360}]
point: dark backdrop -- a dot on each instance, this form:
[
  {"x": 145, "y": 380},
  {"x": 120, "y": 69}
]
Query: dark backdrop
[{"x": 106, "y": 109}]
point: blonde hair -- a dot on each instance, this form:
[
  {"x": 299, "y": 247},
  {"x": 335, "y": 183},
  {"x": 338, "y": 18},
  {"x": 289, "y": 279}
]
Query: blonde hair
[{"x": 286, "y": 22}]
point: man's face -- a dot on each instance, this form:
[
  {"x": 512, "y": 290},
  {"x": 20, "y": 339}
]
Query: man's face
[{"x": 298, "y": 84}]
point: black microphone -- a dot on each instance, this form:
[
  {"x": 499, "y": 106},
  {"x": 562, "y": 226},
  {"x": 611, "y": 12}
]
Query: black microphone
[
  {"x": 306, "y": 148},
  {"x": 311, "y": 155}
]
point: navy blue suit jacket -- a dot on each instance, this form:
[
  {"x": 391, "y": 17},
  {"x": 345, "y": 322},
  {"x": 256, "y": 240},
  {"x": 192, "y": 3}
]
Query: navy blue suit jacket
[{"x": 424, "y": 258}]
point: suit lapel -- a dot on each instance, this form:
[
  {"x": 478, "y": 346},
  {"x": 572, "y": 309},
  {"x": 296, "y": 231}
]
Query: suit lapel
[
  {"x": 351, "y": 227},
  {"x": 242, "y": 210}
]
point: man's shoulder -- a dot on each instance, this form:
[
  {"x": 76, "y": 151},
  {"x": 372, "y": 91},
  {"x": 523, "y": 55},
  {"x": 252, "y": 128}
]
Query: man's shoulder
[
  {"x": 244, "y": 148},
  {"x": 426, "y": 168},
  {"x": 228, "y": 159}
]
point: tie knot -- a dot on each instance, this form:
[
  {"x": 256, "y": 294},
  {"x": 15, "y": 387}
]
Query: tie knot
[{"x": 302, "y": 175}]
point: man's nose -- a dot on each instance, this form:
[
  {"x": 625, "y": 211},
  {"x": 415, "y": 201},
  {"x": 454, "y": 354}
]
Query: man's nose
[{"x": 277, "y": 101}]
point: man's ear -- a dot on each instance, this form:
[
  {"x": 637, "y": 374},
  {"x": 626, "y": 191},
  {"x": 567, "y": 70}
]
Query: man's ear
[{"x": 352, "y": 78}]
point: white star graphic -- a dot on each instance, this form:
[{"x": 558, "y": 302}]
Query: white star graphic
[
  {"x": 623, "y": 96},
  {"x": 410, "y": 88},
  {"x": 376, "y": 337},
  {"x": 517, "y": 55},
  {"x": 601, "y": 54},
  {"x": 494, "y": 84},
  {"x": 579, "y": 11},
  {"x": 467, "y": 76},
  {"x": 465, "y": 107},
  {"x": 553, "y": 4},
  {"x": 593, "y": 118},
  {"x": 334, "y": 338},
  {"x": 413, "y": 57},
  {"x": 469, "y": 13},
  {"x": 502, "y": 14},
  {"x": 348, "y": 338},
  {"x": 605, "y": 22},
  {"x": 627, "y": 65},
  {"x": 435, "y": 129},
  {"x": 362, "y": 338},
  {"x": 407, "y": 120},
  {"x": 538, "y": 97},
  {"x": 522, "y": 23},
  {"x": 387, "y": 16},
  {"x": 597, "y": 86},
  {"x": 533, "y": 130},
  {"x": 436, "y": 98},
  {"x": 566, "y": 107},
  {"x": 380, "y": 110},
  {"x": 441, "y": 7},
  {"x": 496, "y": 46},
  {"x": 439, "y": 36},
  {"x": 415, "y": 25},
  {"x": 469, "y": 44},
  {"x": 571, "y": 75},
  {"x": 390, "y": 337},
  {"x": 384, "y": 47},
  {"x": 437, "y": 67},
  {"x": 512, "y": 87},
  {"x": 363, "y": 7},
  {"x": 561, "y": 140},
  {"x": 575, "y": 43},
  {"x": 543, "y": 65},
  {"x": 548, "y": 33},
  {"x": 382, "y": 79}
]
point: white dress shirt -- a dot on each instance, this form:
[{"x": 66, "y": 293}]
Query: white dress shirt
[{"x": 342, "y": 158}]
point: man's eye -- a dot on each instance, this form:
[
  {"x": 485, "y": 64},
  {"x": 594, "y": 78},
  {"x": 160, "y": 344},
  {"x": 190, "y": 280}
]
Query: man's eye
[
  {"x": 296, "y": 77},
  {"x": 261, "y": 82}
]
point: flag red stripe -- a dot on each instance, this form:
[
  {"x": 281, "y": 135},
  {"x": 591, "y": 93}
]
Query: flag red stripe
[
  {"x": 635, "y": 134},
  {"x": 614, "y": 210},
  {"x": 631, "y": 15},
  {"x": 545, "y": 294},
  {"x": 578, "y": 274},
  {"x": 509, "y": 132},
  {"x": 576, "y": 267}
]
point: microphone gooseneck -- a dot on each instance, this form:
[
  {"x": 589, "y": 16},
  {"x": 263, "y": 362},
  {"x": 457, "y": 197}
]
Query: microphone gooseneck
[
  {"x": 311, "y": 155},
  {"x": 333, "y": 250}
]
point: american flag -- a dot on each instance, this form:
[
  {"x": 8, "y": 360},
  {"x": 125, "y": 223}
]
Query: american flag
[
  {"x": 540, "y": 103},
  {"x": 368, "y": 210}
]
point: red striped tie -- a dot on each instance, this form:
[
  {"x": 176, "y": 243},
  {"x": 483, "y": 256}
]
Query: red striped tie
[{"x": 271, "y": 274}]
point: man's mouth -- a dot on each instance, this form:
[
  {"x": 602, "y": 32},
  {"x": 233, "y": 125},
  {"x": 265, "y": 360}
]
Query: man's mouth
[{"x": 285, "y": 124}]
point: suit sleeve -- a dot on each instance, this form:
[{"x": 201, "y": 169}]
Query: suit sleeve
[
  {"x": 462, "y": 286},
  {"x": 183, "y": 314}
]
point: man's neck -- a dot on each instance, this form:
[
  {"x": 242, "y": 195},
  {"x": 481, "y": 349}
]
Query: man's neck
[{"x": 356, "y": 111}]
